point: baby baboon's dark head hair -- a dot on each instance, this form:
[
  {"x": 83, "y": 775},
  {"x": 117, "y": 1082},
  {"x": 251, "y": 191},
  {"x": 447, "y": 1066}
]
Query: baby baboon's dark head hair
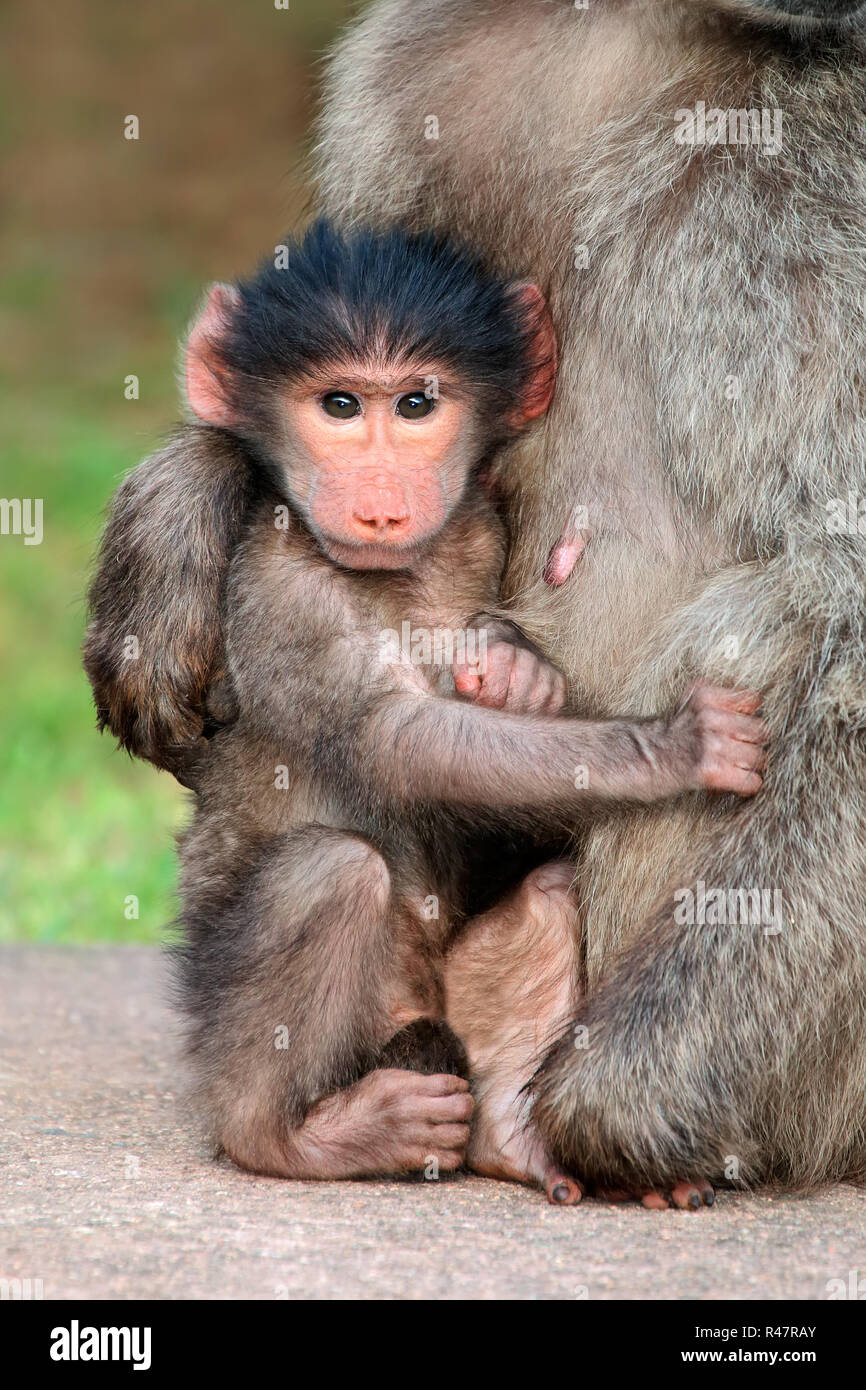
[{"x": 381, "y": 297}]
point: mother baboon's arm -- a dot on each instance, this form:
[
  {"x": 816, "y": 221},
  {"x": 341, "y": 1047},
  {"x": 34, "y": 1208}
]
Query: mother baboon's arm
[{"x": 155, "y": 637}]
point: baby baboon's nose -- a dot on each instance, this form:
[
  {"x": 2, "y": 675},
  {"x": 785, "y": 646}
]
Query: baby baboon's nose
[{"x": 380, "y": 513}]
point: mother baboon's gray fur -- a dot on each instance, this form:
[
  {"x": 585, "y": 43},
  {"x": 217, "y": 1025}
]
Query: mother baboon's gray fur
[{"x": 709, "y": 299}]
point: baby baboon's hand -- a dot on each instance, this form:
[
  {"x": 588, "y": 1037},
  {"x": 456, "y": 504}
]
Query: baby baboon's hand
[
  {"x": 513, "y": 678},
  {"x": 726, "y": 738}
]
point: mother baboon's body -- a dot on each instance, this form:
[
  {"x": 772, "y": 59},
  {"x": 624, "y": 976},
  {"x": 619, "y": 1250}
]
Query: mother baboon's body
[{"x": 709, "y": 300}]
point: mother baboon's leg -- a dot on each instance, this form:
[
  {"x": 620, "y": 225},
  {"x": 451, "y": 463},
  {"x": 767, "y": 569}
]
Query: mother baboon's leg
[
  {"x": 317, "y": 1019},
  {"x": 726, "y": 946}
]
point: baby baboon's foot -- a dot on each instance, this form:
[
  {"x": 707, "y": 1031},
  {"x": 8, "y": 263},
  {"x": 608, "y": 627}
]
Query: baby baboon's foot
[
  {"x": 389, "y": 1122},
  {"x": 510, "y": 984},
  {"x": 504, "y": 1144},
  {"x": 401, "y": 1121}
]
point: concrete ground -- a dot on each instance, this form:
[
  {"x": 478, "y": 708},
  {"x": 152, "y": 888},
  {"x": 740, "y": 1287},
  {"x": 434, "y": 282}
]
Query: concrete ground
[{"x": 108, "y": 1192}]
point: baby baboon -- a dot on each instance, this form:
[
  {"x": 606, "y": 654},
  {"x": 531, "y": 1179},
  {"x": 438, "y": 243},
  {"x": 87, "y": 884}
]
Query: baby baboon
[{"x": 352, "y": 783}]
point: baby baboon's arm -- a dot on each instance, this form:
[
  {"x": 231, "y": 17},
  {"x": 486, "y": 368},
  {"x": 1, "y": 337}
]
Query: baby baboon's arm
[
  {"x": 326, "y": 696},
  {"x": 155, "y": 639},
  {"x": 312, "y": 678},
  {"x": 424, "y": 748}
]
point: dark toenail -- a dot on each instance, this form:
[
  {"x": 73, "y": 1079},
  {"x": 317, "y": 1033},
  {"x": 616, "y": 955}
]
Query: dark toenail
[
  {"x": 709, "y": 1197},
  {"x": 560, "y": 1192},
  {"x": 694, "y": 1200}
]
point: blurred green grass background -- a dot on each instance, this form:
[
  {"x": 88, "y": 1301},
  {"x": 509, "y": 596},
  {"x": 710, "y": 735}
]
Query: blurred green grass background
[{"x": 105, "y": 247}]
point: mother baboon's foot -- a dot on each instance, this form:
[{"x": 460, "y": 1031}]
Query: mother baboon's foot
[
  {"x": 688, "y": 1196},
  {"x": 510, "y": 985},
  {"x": 606, "y": 1108}
]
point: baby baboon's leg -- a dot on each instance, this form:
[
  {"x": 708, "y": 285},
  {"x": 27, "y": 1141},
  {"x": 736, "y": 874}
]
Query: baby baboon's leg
[
  {"x": 297, "y": 993},
  {"x": 511, "y": 984},
  {"x": 510, "y": 987}
]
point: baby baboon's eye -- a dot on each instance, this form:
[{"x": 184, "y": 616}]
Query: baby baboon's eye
[
  {"x": 415, "y": 405},
  {"x": 341, "y": 405}
]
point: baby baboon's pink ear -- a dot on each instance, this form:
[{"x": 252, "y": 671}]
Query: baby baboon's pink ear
[
  {"x": 205, "y": 376},
  {"x": 543, "y": 353}
]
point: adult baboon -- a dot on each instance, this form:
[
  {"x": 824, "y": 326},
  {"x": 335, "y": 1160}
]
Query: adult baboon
[{"x": 687, "y": 181}]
